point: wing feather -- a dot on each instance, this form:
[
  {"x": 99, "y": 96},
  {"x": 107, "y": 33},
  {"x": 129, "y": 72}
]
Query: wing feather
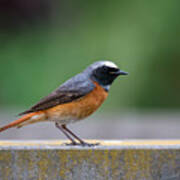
[{"x": 71, "y": 90}]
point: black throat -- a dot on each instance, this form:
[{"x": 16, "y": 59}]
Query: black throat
[{"x": 103, "y": 78}]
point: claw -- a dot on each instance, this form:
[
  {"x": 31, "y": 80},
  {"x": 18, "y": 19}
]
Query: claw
[
  {"x": 89, "y": 144},
  {"x": 81, "y": 144},
  {"x": 72, "y": 144}
]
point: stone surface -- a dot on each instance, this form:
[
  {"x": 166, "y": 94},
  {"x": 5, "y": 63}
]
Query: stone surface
[{"x": 111, "y": 160}]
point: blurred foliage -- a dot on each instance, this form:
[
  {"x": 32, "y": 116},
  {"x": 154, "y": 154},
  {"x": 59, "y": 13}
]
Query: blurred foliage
[{"x": 43, "y": 49}]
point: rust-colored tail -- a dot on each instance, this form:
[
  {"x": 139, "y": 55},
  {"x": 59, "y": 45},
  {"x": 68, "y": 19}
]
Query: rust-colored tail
[{"x": 17, "y": 122}]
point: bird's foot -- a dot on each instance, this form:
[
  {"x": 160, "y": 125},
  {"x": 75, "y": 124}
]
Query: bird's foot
[
  {"x": 73, "y": 144},
  {"x": 82, "y": 144},
  {"x": 89, "y": 144}
]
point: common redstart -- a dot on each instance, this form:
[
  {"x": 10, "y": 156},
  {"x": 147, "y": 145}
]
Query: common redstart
[{"x": 74, "y": 100}]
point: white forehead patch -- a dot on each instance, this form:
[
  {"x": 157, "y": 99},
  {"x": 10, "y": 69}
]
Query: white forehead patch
[
  {"x": 110, "y": 64},
  {"x": 98, "y": 64}
]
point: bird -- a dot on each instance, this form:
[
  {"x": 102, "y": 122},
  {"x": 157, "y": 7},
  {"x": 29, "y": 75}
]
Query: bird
[{"x": 74, "y": 100}]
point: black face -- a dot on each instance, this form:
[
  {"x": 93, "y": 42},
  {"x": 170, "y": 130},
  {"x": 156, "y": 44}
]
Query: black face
[{"x": 105, "y": 75}]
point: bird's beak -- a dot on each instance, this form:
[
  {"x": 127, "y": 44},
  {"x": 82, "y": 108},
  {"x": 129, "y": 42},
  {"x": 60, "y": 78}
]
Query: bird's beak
[{"x": 122, "y": 73}]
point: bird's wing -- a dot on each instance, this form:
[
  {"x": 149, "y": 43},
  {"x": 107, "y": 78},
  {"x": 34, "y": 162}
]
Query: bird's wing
[{"x": 71, "y": 90}]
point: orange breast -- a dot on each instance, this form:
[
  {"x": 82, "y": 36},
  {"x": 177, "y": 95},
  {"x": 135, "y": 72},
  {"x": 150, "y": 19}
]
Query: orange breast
[{"x": 80, "y": 108}]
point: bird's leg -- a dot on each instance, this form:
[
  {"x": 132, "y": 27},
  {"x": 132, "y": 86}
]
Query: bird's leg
[
  {"x": 73, "y": 142},
  {"x": 76, "y": 137},
  {"x": 70, "y": 132}
]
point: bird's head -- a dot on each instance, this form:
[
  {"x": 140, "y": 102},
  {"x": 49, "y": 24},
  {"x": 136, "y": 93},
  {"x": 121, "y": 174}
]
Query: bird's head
[{"x": 104, "y": 72}]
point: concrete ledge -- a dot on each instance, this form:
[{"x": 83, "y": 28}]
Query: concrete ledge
[{"x": 112, "y": 160}]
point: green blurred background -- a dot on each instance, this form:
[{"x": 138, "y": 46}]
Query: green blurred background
[{"x": 45, "y": 42}]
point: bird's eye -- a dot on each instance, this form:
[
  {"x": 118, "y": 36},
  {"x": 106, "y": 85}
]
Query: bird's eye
[
  {"x": 113, "y": 69},
  {"x": 108, "y": 70},
  {"x": 105, "y": 68}
]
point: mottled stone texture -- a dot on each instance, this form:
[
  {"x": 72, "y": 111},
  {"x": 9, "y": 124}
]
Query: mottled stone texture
[{"x": 132, "y": 160}]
